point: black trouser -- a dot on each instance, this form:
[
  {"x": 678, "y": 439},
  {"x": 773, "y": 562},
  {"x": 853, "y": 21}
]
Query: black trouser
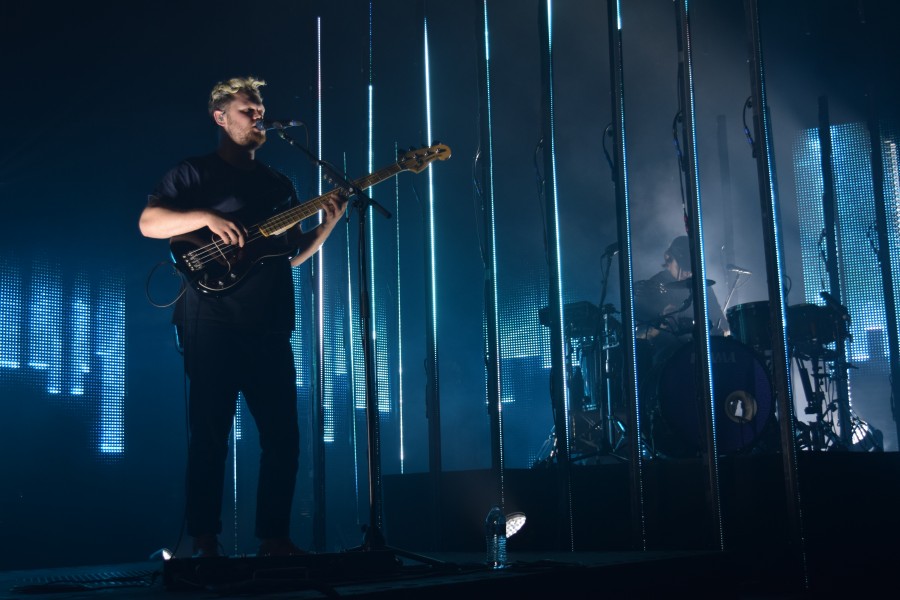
[{"x": 220, "y": 362}]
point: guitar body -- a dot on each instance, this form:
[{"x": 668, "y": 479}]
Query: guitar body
[{"x": 213, "y": 267}]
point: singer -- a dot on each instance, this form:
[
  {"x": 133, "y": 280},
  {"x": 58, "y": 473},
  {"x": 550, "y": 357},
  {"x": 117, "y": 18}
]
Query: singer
[{"x": 239, "y": 342}]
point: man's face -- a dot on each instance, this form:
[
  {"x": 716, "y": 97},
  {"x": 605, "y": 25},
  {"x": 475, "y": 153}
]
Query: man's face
[
  {"x": 675, "y": 270},
  {"x": 238, "y": 121}
]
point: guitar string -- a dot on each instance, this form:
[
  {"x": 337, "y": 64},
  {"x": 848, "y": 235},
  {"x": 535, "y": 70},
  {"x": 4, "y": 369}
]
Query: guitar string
[{"x": 212, "y": 251}]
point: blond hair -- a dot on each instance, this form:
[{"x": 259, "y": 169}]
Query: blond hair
[{"x": 223, "y": 92}]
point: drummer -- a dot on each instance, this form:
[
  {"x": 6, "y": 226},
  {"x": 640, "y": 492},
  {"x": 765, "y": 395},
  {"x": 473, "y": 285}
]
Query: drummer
[{"x": 663, "y": 306}]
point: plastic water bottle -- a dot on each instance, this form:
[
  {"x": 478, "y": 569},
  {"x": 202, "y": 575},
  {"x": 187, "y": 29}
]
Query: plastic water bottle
[{"x": 495, "y": 538}]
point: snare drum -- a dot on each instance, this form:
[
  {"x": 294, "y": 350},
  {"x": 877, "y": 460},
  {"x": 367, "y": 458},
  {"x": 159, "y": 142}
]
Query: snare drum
[{"x": 742, "y": 392}]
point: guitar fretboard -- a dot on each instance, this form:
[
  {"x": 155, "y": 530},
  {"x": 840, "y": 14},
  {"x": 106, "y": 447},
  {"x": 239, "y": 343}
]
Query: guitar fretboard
[{"x": 282, "y": 222}]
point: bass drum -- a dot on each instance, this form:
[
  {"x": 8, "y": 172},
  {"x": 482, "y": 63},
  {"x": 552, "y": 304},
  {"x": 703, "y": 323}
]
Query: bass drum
[{"x": 742, "y": 393}]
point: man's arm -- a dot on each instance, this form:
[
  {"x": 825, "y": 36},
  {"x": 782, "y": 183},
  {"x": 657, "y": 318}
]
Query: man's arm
[
  {"x": 308, "y": 242},
  {"x": 161, "y": 222}
]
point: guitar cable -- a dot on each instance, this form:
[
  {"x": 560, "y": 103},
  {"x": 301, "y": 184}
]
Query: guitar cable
[
  {"x": 179, "y": 347},
  {"x": 181, "y": 290}
]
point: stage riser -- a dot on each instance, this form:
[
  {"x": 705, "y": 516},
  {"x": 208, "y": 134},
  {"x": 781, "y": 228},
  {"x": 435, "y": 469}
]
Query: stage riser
[{"x": 848, "y": 501}]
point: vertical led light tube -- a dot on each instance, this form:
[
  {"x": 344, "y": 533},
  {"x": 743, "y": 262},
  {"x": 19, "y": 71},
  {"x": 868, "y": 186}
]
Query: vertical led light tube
[
  {"x": 492, "y": 319},
  {"x": 378, "y": 323},
  {"x": 322, "y": 413},
  {"x": 558, "y": 386},
  {"x": 623, "y": 216},
  {"x": 775, "y": 279},
  {"x": 325, "y": 374},
  {"x": 399, "y": 318},
  {"x": 433, "y": 323},
  {"x": 700, "y": 302},
  {"x": 432, "y": 386}
]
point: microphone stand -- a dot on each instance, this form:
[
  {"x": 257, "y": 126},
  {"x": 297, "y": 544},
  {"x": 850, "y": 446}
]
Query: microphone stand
[{"x": 373, "y": 539}]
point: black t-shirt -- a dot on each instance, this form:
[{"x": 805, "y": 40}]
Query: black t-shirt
[
  {"x": 657, "y": 297},
  {"x": 264, "y": 300}
]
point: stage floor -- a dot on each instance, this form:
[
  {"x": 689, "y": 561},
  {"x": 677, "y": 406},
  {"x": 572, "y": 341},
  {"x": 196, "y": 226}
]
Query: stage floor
[
  {"x": 440, "y": 575},
  {"x": 851, "y": 532}
]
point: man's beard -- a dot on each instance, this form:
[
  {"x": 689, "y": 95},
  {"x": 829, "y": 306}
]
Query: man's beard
[{"x": 254, "y": 139}]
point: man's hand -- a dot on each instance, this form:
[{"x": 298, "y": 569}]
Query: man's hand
[
  {"x": 230, "y": 232},
  {"x": 333, "y": 207},
  {"x": 334, "y": 204}
]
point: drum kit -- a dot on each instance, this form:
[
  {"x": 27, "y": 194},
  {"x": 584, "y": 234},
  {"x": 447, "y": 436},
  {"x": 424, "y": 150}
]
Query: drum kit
[
  {"x": 815, "y": 337},
  {"x": 673, "y": 419}
]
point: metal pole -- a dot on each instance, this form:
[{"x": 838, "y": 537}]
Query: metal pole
[
  {"x": 884, "y": 257},
  {"x": 831, "y": 234},
  {"x": 558, "y": 388},
  {"x": 432, "y": 380},
  {"x": 318, "y": 350},
  {"x": 486, "y": 193},
  {"x": 703, "y": 363},
  {"x": 771, "y": 213},
  {"x": 626, "y": 273}
]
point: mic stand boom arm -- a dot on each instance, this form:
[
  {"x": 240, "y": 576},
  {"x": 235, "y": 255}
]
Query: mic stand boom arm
[{"x": 334, "y": 176}]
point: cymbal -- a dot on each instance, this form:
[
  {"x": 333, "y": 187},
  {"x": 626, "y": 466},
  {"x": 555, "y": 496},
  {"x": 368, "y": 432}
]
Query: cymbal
[{"x": 687, "y": 283}]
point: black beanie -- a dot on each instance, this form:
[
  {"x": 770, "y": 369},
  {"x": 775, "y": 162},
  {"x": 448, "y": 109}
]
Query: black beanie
[{"x": 680, "y": 251}]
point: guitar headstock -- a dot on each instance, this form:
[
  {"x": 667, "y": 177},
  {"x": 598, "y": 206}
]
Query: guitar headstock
[{"x": 416, "y": 160}]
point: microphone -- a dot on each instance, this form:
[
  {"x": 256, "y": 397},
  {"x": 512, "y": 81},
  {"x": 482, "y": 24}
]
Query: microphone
[
  {"x": 738, "y": 270},
  {"x": 269, "y": 124},
  {"x": 611, "y": 250}
]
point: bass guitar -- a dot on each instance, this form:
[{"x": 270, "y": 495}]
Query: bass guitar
[{"x": 213, "y": 266}]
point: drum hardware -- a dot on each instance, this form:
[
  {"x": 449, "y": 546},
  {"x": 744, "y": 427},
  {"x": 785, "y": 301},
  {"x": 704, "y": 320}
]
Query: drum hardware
[
  {"x": 686, "y": 283},
  {"x": 580, "y": 319},
  {"x": 817, "y": 434},
  {"x": 593, "y": 366},
  {"x": 820, "y": 432},
  {"x": 811, "y": 328}
]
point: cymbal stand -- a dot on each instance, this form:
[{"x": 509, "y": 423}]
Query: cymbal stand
[
  {"x": 609, "y": 339},
  {"x": 819, "y": 433},
  {"x": 613, "y": 429}
]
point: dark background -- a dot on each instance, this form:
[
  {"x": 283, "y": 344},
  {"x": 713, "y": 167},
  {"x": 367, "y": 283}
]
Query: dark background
[{"x": 103, "y": 97}]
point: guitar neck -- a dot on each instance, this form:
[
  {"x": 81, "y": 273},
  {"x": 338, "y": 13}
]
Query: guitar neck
[{"x": 283, "y": 221}]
